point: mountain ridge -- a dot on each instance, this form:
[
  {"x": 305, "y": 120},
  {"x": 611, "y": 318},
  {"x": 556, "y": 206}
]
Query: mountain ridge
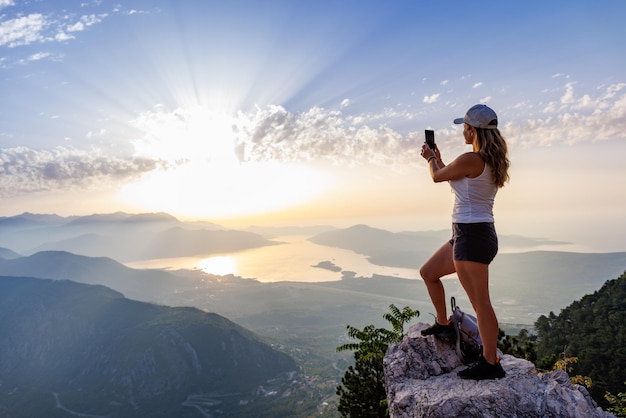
[
  {"x": 62, "y": 265},
  {"x": 106, "y": 354}
]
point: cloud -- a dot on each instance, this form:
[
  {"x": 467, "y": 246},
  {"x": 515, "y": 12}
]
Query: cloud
[
  {"x": 476, "y": 85},
  {"x": 431, "y": 99},
  {"x": 41, "y": 28},
  {"x": 568, "y": 96},
  {"x": 613, "y": 89},
  {"x": 38, "y": 56},
  {"x": 23, "y": 30},
  {"x": 6, "y": 3},
  {"x": 273, "y": 133},
  {"x": 573, "y": 119},
  {"x": 84, "y": 22},
  {"x": 24, "y": 170}
]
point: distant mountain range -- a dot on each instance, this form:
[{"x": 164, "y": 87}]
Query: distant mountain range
[
  {"x": 523, "y": 285},
  {"x": 307, "y": 319},
  {"x": 8, "y": 254},
  {"x": 146, "y": 285},
  {"x": 407, "y": 249},
  {"x": 122, "y": 236},
  {"x": 73, "y": 349}
]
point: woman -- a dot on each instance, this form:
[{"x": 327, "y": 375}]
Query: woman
[{"x": 475, "y": 177}]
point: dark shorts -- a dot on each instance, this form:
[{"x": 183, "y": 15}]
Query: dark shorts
[{"x": 474, "y": 242}]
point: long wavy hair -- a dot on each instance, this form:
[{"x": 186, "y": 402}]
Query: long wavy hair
[{"x": 494, "y": 151}]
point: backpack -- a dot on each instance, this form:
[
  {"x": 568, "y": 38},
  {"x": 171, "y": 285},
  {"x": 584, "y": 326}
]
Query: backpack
[{"x": 469, "y": 345}]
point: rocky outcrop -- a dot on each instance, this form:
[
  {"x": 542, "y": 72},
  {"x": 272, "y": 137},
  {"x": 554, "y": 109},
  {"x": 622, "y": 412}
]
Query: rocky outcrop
[{"x": 421, "y": 381}]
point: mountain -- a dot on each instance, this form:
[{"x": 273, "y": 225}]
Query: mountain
[
  {"x": 122, "y": 217},
  {"x": 8, "y": 254},
  {"x": 123, "y": 236},
  {"x": 367, "y": 240},
  {"x": 86, "y": 349},
  {"x": 593, "y": 329},
  {"x": 308, "y": 320},
  {"x": 522, "y": 284},
  {"x": 290, "y": 306},
  {"x": 407, "y": 248},
  {"x": 178, "y": 242},
  {"x": 146, "y": 285},
  {"x": 138, "y": 244},
  {"x": 27, "y": 220}
]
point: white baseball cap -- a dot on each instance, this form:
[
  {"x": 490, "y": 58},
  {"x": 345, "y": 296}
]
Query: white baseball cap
[{"x": 479, "y": 116}]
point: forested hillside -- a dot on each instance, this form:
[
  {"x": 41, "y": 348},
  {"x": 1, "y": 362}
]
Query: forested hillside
[
  {"x": 594, "y": 330},
  {"x": 67, "y": 346}
]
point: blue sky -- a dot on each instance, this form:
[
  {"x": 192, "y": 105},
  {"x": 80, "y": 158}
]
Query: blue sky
[{"x": 300, "y": 112}]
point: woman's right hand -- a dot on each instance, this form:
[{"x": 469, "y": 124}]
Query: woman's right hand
[{"x": 427, "y": 153}]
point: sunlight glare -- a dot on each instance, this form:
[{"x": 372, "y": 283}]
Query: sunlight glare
[
  {"x": 202, "y": 176},
  {"x": 220, "y": 265}
]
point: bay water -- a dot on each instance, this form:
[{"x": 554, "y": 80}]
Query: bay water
[{"x": 292, "y": 260}]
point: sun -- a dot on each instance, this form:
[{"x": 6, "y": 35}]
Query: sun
[{"x": 201, "y": 175}]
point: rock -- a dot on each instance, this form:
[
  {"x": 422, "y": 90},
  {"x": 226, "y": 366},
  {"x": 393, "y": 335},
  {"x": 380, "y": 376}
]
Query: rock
[{"x": 421, "y": 381}]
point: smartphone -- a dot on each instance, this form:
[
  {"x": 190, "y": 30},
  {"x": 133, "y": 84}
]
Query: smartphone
[{"x": 430, "y": 138}]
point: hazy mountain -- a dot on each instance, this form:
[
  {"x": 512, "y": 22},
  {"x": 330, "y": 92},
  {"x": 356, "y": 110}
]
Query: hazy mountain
[
  {"x": 122, "y": 217},
  {"x": 407, "y": 249},
  {"x": 324, "y": 303},
  {"x": 73, "y": 349},
  {"x": 122, "y": 236},
  {"x": 309, "y": 319},
  {"x": 137, "y": 244},
  {"x": 144, "y": 284},
  {"x": 177, "y": 242},
  {"x": 8, "y": 254},
  {"x": 523, "y": 285},
  {"x": 26, "y": 220},
  {"x": 367, "y": 240}
]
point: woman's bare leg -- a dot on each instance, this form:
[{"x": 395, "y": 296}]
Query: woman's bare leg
[
  {"x": 438, "y": 265},
  {"x": 475, "y": 280}
]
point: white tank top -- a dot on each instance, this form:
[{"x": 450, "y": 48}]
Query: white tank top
[{"x": 473, "y": 198}]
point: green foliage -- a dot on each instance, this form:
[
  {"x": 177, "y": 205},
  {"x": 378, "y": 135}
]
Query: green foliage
[
  {"x": 524, "y": 345},
  {"x": 565, "y": 363},
  {"x": 617, "y": 403},
  {"x": 362, "y": 393},
  {"x": 593, "y": 330}
]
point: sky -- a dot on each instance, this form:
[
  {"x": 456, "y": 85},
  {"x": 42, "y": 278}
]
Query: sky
[{"x": 272, "y": 112}]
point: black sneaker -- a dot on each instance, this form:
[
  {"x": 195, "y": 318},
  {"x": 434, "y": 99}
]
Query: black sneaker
[
  {"x": 482, "y": 370},
  {"x": 443, "y": 332}
]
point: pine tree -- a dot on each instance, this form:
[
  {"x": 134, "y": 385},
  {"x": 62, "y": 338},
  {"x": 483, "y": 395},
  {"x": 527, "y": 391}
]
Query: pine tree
[
  {"x": 592, "y": 330},
  {"x": 362, "y": 393}
]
